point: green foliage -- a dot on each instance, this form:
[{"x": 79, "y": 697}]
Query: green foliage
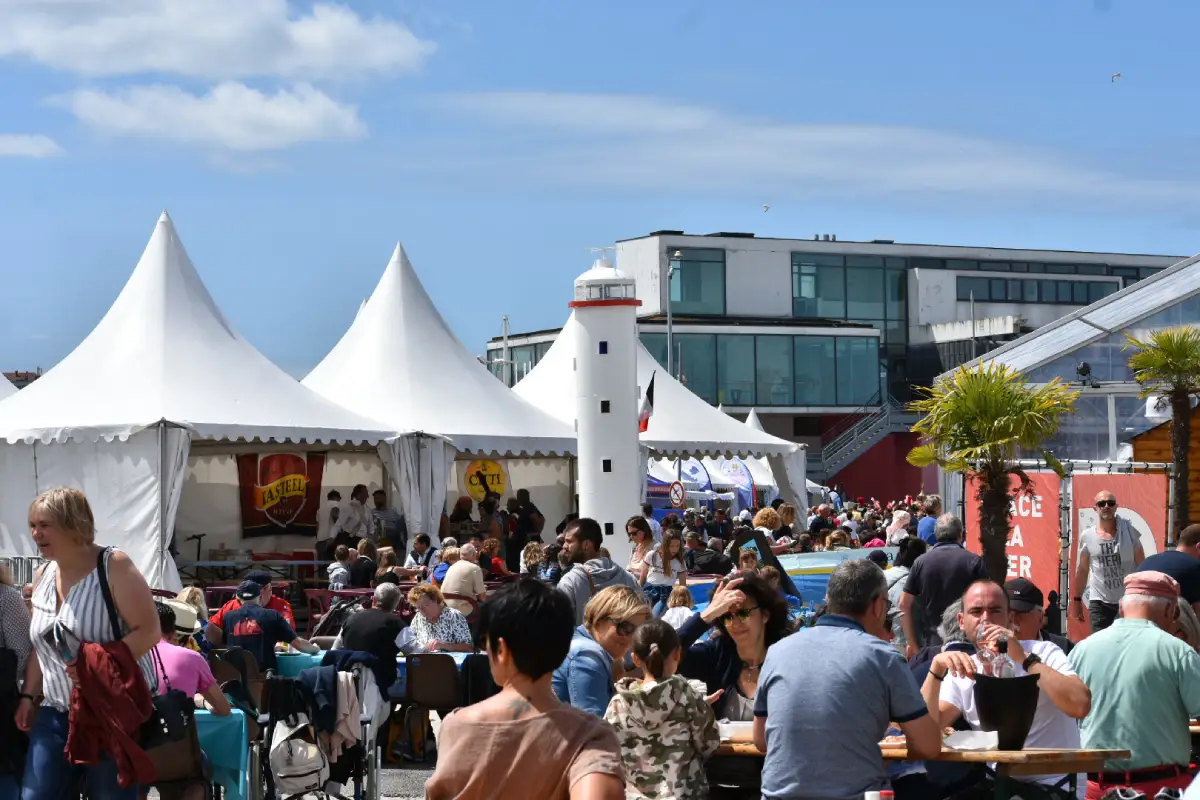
[{"x": 1167, "y": 361}]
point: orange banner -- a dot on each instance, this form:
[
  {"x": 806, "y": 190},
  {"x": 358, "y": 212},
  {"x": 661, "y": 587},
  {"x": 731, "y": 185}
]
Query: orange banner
[
  {"x": 1033, "y": 544},
  {"x": 1141, "y": 499}
]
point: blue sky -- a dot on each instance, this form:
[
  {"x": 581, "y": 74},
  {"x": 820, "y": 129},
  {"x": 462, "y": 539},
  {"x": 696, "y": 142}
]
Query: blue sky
[{"x": 295, "y": 143}]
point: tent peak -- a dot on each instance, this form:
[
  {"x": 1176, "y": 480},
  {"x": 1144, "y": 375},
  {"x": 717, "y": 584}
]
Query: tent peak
[
  {"x": 399, "y": 256},
  {"x": 164, "y": 216}
]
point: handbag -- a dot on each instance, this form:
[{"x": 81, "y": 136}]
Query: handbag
[{"x": 169, "y": 735}]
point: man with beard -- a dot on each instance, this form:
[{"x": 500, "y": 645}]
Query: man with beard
[{"x": 590, "y": 572}]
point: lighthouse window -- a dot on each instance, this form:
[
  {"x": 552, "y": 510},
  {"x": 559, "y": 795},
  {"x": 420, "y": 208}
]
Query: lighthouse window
[
  {"x": 608, "y": 529},
  {"x": 603, "y": 406},
  {"x": 606, "y": 465},
  {"x": 604, "y": 348}
]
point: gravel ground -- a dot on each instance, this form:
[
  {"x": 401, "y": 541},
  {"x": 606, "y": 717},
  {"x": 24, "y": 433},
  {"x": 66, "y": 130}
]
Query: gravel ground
[{"x": 404, "y": 782}]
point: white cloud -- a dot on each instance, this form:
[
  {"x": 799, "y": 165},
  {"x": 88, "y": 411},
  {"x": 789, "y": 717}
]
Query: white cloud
[
  {"x": 19, "y": 145},
  {"x": 217, "y": 39},
  {"x": 647, "y": 142},
  {"x": 230, "y": 117}
]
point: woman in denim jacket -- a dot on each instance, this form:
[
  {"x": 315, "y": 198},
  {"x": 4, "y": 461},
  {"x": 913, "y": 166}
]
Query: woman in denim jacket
[{"x": 585, "y": 678}]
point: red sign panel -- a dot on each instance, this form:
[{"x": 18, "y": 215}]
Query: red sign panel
[
  {"x": 1033, "y": 544},
  {"x": 1141, "y": 499},
  {"x": 280, "y": 492}
]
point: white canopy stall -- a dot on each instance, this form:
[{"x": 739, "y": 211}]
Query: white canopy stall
[
  {"x": 116, "y": 417},
  {"x": 401, "y": 363},
  {"x": 6, "y": 388}
]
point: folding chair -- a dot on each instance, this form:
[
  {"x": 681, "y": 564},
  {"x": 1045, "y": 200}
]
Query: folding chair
[{"x": 248, "y": 672}]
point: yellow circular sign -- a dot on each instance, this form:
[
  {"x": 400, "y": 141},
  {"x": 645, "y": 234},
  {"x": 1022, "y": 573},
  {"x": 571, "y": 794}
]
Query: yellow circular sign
[{"x": 484, "y": 476}]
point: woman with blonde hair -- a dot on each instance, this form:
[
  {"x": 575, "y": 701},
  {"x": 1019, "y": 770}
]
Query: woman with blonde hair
[
  {"x": 435, "y": 625},
  {"x": 68, "y": 596},
  {"x": 450, "y": 555},
  {"x": 598, "y": 648},
  {"x": 531, "y": 558},
  {"x": 193, "y": 596},
  {"x": 496, "y": 564}
]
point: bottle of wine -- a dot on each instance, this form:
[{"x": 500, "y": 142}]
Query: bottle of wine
[{"x": 1002, "y": 665}]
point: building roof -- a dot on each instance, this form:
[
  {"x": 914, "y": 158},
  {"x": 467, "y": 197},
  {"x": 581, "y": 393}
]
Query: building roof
[
  {"x": 400, "y": 362},
  {"x": 682, "y": 425},
  {"x": 1104, "y": 318},
  {"x": 164, "y": 352}
]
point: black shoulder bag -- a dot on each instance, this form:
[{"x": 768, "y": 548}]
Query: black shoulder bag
[{"x": 168, "y": 734}]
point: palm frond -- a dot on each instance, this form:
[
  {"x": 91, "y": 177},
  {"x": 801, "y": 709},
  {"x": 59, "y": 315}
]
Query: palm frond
[{"x": 1166, "y": 360}]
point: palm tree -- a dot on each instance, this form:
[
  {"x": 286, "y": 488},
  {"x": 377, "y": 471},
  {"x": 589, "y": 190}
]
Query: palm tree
[
  {"x": 1168, "y": 362},
  {"x": 980, "y": 418}
]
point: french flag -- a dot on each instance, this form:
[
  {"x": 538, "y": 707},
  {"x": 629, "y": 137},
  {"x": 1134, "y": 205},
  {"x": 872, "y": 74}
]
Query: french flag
[{"x": 647, "y": 409}]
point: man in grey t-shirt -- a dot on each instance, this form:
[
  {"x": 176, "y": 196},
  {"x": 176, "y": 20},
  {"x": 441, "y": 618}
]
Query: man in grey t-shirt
[
  {"x": 1107, "y": 553},
  {"x": 820, "y": 726}
]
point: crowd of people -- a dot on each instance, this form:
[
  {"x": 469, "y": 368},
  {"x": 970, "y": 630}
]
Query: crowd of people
[{"x": 611, "y": 681}]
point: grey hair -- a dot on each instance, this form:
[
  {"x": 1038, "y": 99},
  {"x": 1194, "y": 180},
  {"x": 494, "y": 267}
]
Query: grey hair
[
  {"x": 387, "y": 596},
  {"x": 949, "y": 529},
  {"x": 853, "y": 586},
  {"x": 468, "y": 552},
  {"x": 715, "y": 544},
  {"x": 950, "y": 631},
  {"x": 449, "y": 541},
  {"x": 1159, "y": 604}
]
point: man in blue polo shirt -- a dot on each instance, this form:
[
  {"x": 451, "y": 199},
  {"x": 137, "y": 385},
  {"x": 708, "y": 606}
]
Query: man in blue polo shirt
[
  {"x": 820, "y": 726},
  {"x": 257, "y": 630}
]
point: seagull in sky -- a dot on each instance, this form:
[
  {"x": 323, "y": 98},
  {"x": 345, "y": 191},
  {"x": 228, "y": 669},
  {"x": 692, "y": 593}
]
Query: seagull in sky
[
  {"x": 1115, "y": 76},
  {"x": 766, "y": 208}
]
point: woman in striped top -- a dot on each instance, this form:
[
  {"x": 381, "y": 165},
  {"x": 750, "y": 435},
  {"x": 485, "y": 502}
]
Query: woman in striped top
[{"x": 67, "y": 595}]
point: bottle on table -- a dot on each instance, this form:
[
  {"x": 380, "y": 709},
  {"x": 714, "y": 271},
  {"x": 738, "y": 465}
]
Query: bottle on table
[{"x": 1002, "y": 664}]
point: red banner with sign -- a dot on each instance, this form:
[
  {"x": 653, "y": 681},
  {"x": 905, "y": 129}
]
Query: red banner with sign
[
  {"x": 1033, "y": 544},
  {"x": 1141, "y": 499},
  {"x": 280, "y": 493}
]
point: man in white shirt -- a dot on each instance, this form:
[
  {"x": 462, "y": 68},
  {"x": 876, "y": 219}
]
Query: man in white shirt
[
  {"x": 655, "y": 526},
  {"x": 464, "y": 578},
  {"x": 949, "y": 688},
  {"x": 423, "y": 554},
  {"x": 357, "y": 522}
]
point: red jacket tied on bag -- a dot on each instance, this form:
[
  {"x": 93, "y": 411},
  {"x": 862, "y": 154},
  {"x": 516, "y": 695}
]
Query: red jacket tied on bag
[{"x": 109, "y": 703}]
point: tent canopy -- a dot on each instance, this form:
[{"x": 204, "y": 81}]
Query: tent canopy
[
  {"x": 400, "y": 362},
  {"x": 682, "y": 425},
  {"x": 6, "y": 388},
  {"x": 164, "y": 352}
]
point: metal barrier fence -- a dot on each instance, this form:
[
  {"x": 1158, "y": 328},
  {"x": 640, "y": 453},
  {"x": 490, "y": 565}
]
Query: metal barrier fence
[{"x": 22, "y": 568}]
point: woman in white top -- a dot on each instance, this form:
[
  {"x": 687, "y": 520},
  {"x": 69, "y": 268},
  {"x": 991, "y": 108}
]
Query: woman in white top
[
  {"x": 662, "y": 569},
  {"x": 642, "y": 537},
  {"x": 67, "y": 597}
]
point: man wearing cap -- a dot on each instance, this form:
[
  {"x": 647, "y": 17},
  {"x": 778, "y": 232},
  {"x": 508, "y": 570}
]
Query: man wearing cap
[
  {"x": 1182, "y": 564},
  {"x": 949, "y": 687},
  {"x": 257, "y": 629},
  {"x": 1145, "y": 688},
  {"x": 1028, "y": 613},
  {"x": 268, "y": 599}
]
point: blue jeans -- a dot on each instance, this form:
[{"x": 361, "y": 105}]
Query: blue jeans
[
  {"x": 48, "y": 776},
  {"x": 657, "y": 596}
]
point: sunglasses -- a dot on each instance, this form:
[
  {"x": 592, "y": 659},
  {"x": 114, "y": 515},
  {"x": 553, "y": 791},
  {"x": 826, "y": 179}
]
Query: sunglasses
[
  {"x": 624, "y": 627},
  {"x": 1106, "y": 504},
  {"x": 741, "y": 615}
]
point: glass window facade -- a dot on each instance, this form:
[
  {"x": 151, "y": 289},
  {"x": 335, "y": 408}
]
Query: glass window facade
[
  {"x": 1032, "y": 290},
  {"x": 775, "y": 369},
  {"x": 697, "y": 281}
]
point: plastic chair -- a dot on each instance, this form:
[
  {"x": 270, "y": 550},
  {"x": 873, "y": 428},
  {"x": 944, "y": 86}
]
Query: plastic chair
[
  {"x": 249, "y": 673},
  {"x": 474, "y": 603},
  {"x": 319, "y": 601},
  {"x": 432, "y": 684}
]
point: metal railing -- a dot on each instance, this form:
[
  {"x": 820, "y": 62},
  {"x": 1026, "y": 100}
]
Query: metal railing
[
  {"x": 22, "y": 568},
  {"x": 863, "y": 434}
]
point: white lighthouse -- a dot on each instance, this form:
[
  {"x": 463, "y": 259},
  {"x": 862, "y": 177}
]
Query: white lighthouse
[{"x": 606, "y": 402}]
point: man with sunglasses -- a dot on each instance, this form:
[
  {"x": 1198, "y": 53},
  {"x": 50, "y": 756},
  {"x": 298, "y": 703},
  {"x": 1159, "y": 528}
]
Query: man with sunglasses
[{"x": 1107, "y": 553}]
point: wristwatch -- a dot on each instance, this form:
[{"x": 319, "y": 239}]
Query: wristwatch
[{"x": 1029, "y": 661}]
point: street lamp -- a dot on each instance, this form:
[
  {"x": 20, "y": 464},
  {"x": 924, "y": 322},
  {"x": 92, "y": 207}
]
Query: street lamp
[{"x": 671, "y": 267}]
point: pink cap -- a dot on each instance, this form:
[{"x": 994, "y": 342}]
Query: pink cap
[{"x": 1152, "y": 584}]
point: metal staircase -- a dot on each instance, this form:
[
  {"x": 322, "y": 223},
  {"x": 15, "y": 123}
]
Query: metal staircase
[{"x": 859, "y": 435}]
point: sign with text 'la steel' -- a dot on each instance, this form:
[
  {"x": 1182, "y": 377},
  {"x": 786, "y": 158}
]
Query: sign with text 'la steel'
[
  {"x": 1034, "y": 547},
  {"x": 280, "y": 493}
]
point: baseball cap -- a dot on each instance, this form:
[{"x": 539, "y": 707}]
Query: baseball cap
[
  {"x": 879, "y": 558},
  {"x": 261, "y": 577},
  {"x": 248, "y": 590},
  {"x": 1152, "y": 584},
  {"x": 1023, "y": 595}
]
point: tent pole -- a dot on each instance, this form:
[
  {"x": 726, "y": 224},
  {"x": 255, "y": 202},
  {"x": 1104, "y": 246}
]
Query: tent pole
[{"x": 162, "y": 498}]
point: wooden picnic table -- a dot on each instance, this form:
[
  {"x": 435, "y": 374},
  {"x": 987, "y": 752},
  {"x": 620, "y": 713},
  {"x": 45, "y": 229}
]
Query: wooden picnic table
[{"x": 1009, "y": 764}]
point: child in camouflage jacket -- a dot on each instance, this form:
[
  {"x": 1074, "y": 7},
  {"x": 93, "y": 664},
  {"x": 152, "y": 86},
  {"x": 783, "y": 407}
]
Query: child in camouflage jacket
[{"x": 666, "y": 728}]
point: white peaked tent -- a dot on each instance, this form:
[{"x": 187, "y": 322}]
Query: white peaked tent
[
  {"x": 6, "y": 388},
  {"x": 682, "y": 424},
  {"x": 117, "y": 416},
  {"x": 400, "y": 362}
]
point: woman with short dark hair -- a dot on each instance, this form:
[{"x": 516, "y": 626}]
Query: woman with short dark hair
[{"x": 523, "y": 742}]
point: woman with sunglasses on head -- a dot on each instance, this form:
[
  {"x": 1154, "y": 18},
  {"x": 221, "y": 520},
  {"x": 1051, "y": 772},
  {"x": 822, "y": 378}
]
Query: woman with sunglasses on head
[
  {"x": 749, "y": 616},
  {"x": 585, "y": 677}
]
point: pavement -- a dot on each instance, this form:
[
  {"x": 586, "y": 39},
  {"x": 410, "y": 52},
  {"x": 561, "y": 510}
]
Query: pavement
[{"x": 404, "y": 782}]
